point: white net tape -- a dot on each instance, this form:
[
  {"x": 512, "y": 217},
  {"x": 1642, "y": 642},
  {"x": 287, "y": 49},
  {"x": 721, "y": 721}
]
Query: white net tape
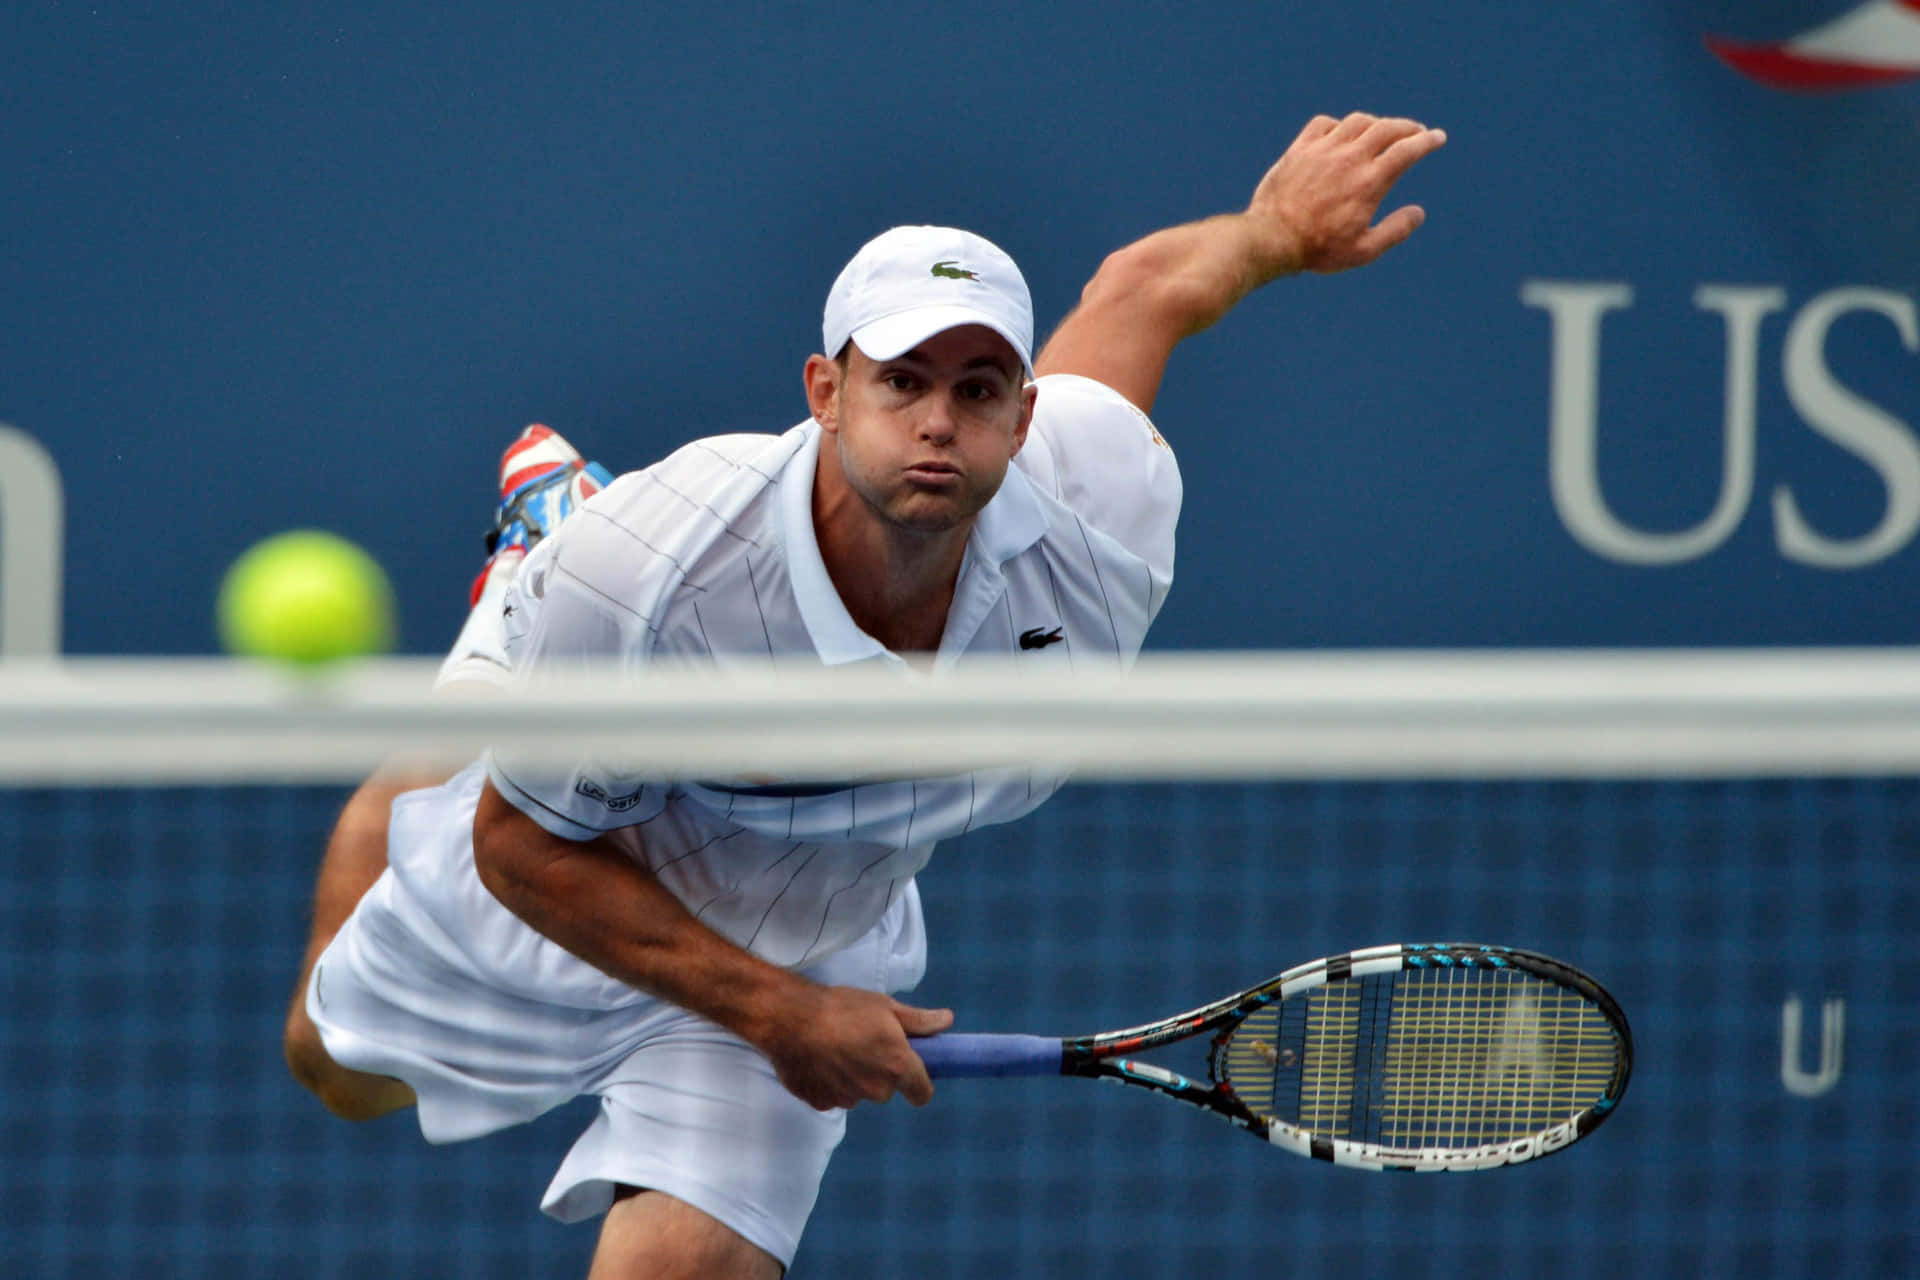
[{"x": 1623, "y": 714}]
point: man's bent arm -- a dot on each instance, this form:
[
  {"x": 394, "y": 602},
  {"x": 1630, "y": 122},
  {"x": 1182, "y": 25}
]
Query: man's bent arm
[
  {"x": 832, "y": 1046},
  {"x": 1313, "y": 211}
]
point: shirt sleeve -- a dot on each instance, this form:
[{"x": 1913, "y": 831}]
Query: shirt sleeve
[
  {"x": 1093, "y": 450},
  {"x": 560, "y": 613}
]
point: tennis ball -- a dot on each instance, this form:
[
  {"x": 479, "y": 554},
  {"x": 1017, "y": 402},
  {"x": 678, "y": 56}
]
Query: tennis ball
[{"x": 305, "y": 596}]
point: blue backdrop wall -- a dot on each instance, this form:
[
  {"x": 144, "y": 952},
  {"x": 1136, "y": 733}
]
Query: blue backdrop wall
[{"x": 315, "y": 264}]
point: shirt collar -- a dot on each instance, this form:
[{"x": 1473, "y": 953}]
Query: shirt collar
[
  {"x": 835, "y": 635},
  {"x": 1013, "y": 521}
]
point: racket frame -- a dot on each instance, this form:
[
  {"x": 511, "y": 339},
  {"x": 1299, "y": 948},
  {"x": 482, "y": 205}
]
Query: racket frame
[{"x": 1108, "y": 1056}]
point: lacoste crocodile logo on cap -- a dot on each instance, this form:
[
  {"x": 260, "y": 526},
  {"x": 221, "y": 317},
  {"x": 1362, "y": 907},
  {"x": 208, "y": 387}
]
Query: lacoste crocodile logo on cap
[{"x": 952, "y": 272}]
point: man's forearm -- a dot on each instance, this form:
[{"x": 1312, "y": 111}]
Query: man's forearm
[
  {"x": 1313, "y": 211},
  {"x": 1154, "y": 294},
  {"x": 831, "y": 1046},
  {"x": 1184, "y": 279},
  {"x": 613, "y": 913}
]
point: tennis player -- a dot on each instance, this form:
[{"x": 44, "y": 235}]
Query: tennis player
[{"x": 715, "y": 962}]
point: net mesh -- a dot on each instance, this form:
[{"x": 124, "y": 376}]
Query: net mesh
[{"x": 149, "y": 937}]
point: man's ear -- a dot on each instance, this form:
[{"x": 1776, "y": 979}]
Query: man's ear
[
  {"x": 823, "y": 391},
  {"x": 1029, "y": 396}
]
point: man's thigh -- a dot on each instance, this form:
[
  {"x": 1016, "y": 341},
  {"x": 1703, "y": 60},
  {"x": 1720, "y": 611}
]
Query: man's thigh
[{"x": 699, "y": 1115}]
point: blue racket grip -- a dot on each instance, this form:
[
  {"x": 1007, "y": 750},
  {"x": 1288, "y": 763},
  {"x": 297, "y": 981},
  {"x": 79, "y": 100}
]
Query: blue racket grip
[{"x": 955, "y": 1057}]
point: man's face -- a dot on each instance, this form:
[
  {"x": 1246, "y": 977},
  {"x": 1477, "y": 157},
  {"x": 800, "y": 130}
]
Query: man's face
[{"x": 924, "y": 439}]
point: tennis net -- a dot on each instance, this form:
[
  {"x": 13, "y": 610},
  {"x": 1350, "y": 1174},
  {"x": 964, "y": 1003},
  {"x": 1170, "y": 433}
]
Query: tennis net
[{"x": 1730, "y": 841}]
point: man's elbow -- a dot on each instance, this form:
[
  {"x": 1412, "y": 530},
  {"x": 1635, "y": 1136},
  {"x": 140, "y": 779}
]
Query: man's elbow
[
  {"x": 495, "y": 825},
  {"x": 522, "y": 864},
  {"x": 1126, "y": 274},
  {"x": 1151, "y": 285}
]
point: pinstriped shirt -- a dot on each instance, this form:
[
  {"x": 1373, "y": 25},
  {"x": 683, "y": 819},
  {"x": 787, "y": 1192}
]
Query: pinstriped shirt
[{"x": 709, "y": 558}]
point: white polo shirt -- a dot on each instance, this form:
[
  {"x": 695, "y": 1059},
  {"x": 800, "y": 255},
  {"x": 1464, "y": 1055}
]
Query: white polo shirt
[{"x": 709, "y": 557}]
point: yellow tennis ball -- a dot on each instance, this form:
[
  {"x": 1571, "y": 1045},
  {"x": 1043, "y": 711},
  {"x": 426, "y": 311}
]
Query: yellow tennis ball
[{"x": 306, "y": 596}]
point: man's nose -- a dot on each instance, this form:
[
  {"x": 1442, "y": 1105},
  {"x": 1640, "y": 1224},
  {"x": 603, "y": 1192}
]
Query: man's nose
[{"x": 937, "y": 423}]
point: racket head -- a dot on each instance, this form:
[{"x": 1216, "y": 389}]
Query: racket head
[{"x": 1430, "y": 1056}]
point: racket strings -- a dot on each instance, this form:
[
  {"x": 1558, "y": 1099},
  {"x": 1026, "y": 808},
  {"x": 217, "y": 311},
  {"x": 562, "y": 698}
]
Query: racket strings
[
  {"x": 1476, "y": 1056},
  {"x": 1446, "y": 1058}
]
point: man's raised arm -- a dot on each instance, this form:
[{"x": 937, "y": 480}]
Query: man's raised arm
[{"x": 1313, "y": 211}]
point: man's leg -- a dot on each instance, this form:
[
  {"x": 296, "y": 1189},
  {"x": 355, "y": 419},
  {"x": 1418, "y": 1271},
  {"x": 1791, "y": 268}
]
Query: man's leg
[
  {"x": 355, "y": 857},
  {"x": 651, "y": 1235},
  {"x": 732, "y": 1161},
  {"x": 542, "y": 480}
]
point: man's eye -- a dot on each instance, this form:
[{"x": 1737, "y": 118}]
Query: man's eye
[{"x": 900, "y": 382}]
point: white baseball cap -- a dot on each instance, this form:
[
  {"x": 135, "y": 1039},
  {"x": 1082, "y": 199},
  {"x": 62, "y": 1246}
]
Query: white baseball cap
[{"x": 907, "y": 284}]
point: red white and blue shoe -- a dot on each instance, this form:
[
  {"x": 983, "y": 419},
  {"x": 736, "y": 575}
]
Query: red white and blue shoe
[{"x": 542, "y": 480}]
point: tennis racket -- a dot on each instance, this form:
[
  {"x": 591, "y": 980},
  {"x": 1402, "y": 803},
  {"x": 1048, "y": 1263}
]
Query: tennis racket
[{"x": 1432, "y": 1056}]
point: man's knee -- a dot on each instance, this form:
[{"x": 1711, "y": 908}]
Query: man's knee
[
  {"x": 313, "y": 1067},
  {"x": 348, "y": 1094}
]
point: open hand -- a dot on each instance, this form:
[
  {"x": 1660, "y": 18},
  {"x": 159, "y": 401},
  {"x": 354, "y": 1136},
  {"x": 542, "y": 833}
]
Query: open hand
[{"x": 1315, "y": 208}]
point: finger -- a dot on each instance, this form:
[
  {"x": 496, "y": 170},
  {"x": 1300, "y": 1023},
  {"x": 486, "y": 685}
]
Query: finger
[
  {"x": 922, "y": 1022},
  {"x": 1388, "y": 232},
  {"x": 1317, "y": 127},
  {"x": 916, "y": 1086},
  {"x": 1410, "y": 150},
  {"x": 1353, "y": 126},
  {"x": 1385, "y": 132}
]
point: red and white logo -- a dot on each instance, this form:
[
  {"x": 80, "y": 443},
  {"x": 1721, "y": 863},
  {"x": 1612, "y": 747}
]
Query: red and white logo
[{"x": 1875, "y": 44}]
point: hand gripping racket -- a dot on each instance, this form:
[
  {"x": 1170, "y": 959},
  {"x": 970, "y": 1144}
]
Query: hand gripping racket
[{"x": 1422, "y": 1057}]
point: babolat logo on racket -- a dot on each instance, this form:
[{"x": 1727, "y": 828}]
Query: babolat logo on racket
[{"x": 950, "y": 272}]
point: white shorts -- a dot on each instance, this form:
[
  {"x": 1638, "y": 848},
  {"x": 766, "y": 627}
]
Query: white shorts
[{"x": 686, "y": 1107}]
